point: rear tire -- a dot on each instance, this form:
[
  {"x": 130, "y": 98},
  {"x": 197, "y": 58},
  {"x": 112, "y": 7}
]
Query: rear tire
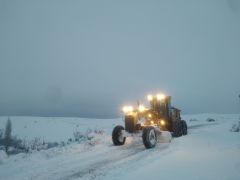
[
  {"x": 149, "y": 137},
  {"x": 184, "y": 126},
  {"x": 117, "y": 136},
  {"x": 177, "y": 128}
]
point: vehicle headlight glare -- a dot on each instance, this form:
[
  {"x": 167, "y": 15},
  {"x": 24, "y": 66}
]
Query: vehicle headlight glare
[
  {"x": 150, "y": 97},
  {"x": 160, "y": 97},
  {"x": 162, "y": 122}
]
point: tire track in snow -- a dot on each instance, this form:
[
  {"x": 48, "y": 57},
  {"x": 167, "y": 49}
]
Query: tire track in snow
[
  {"x": 88, "y": 162},
  {"x": 99, "y": 168},
  {"x": 102, "y": 164},
  {"x": 114, "y": 157}
]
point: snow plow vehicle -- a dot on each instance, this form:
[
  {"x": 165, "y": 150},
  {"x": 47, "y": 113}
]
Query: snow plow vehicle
[{"x": 150, "y": 122}]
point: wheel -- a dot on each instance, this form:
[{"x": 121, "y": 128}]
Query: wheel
[
  {"x": 149, "y": 137},
  {"x": 184, "y": 128},
  {"x": 117, "y": 136},
  {"x": 177, "y": 128}
]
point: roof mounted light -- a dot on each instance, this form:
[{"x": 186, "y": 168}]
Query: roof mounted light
[
  {"x": 127, "y": 109},
  {"x": 150, "y": 97},
  {"x": 141, "y": 108},
  {"x": 160, "y": 97}
]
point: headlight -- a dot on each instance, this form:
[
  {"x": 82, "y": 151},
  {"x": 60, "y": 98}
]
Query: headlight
[
  {"x": 141, "y": 108},
  {"x": 160, "y": 97},
  {"x": 162, "y": 122},
  {"x": 127, "y": 109},
  {"x": 150, "y": 97},
  {"x": 130, "y": 108}
]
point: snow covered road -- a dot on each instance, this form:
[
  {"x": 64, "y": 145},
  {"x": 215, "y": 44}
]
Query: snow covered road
[{"x": 209, "y": 151}]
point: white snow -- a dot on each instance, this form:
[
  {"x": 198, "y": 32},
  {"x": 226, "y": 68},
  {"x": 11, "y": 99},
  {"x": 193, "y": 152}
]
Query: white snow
[
  {"x": 54, "y": 128},
  {"x": 209, "y": 151}
]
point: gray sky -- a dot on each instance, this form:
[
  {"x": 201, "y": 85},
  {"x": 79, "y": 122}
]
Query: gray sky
[{"x": 88, "y": 58}]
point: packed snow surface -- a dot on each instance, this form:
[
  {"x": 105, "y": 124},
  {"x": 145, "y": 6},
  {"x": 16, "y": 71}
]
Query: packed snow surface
[{"x": 209, "y": 151}]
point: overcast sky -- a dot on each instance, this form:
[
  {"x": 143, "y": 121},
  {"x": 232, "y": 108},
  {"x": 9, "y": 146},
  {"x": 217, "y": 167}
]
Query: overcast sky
[{"x": 88, "y": 58}]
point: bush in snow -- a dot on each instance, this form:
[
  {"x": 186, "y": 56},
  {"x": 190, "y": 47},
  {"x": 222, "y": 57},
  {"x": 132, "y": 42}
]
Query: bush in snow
[
  {"x": 210, "y": 120},
  {"x": 1, "y": 133},
  {"x": 27, "y": 146},
  {"x": 235, "y": 127},
  {"x": 12, "y": 144},
  {"x": 89, "y": 136},
  {"x": 193, "y": 120},
  {"x": 1, "y": 139},
  {"x": 17, "y": 145},
  {"x": 7, "y": 135},
  {"x": 78, "y": 136},
  {"x": 37, "y": 144},
  {"x": 24, "y": 146},
  {"x": 52, "y": 145},
  {"x": 98, "y": 131}
]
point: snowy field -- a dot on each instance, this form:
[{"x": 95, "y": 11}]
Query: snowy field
[{"x": 210, "y": 151}]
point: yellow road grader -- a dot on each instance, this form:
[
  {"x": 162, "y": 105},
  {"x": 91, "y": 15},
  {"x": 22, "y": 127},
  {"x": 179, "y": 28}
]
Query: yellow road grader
[{"x": 150, "y": 122}]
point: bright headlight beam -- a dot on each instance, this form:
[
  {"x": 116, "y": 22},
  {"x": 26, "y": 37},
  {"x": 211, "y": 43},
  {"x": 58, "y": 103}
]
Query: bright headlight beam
[
  {"x": 127, "y": 109},
  {"x": 141, "y": 108},
  {"x": 160, "y": 96},
  {"x": 150, "y": 97},
  {"x": 162, "y": 122},
  {"x": 130, "y": 108}
]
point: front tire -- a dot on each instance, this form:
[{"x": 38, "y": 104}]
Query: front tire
[
  {"x": 117, "y": 136},
  {"x": 149, "y": 137}
]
